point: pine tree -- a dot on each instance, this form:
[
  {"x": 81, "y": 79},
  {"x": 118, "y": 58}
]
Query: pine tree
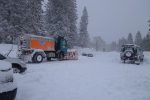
[
  {"x": 146, "y": 42},
  {"x": 61, "y": 19},
  {"x": 20, "y": 16},
  {"x": 12, "y": 15},
  {"x": 113, "y": 46},
  {"x": 99, "y": 44},
  {"x": 4, "y": 27},
  {"x": 130, "y": 39},
  {"x": 84, "y": 36},
  {"x": 121, "y": 42},
  {"x": 138, "y": 38},
  {"x": 72, "y": 17},
  {"x": 57, "y": 19},
  {"x": 33, "y": 17}
]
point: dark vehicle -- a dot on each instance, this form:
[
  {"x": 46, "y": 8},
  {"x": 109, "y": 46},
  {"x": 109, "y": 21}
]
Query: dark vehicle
[
  {"x": 90, "y": 55},
  {"x": 8, "y": 87},
  {"x": 87, "y": 54},
  {"x": 84, "y": 54},
  {"x": 17, "y": 65},
  {"x": 131, "y": 53}
]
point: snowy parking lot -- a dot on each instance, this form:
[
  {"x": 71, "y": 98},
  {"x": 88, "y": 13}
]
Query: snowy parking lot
[{"x": 102, "y": 77}]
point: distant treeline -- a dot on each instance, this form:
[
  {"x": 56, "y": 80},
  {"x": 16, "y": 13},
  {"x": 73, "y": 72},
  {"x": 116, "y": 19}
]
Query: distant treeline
[{"x": 143, "y": 41}]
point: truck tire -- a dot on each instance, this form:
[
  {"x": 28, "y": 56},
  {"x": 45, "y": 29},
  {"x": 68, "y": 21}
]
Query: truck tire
[
  {"x": 60, "y": 56},
  {"x": 49, "y": 59},
  {"x": 37, "y": 58}
]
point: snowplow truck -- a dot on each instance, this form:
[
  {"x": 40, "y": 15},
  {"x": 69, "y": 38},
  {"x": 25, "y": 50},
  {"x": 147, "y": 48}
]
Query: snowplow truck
[{"x": 32, "y": 48}]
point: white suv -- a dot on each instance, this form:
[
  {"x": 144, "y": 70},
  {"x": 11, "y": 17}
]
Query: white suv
[
  {"x": 17, "y": 65},
  {"x": 8, "y": 88}
]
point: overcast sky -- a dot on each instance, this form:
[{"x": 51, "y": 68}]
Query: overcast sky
[{"x": 113, "y": 19}]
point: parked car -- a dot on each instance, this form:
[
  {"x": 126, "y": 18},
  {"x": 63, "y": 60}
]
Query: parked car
[
  {"x": 17, "y": 65},
  {"x": 90, "y": 55},
  {"x": 84, "y": 54},
  {"x": 87, "y": 54},
  {"x": 131, "y": 53},
  {"x": 8, "y": 88}
]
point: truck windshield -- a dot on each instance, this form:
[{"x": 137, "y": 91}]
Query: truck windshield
[{"x": 63, "y": 44}]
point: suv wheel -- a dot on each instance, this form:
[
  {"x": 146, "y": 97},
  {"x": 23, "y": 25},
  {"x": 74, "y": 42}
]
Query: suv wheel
[
  {"x": 138, "y": 61},
  {"x": 124, "y": 61},
  {"x": 60, "y": 56},
  {"x": 49, "y": 59}
]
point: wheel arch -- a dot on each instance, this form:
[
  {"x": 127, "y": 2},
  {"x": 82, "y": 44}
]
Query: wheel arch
[
  {"x": 18, "y": 66},
  {"x": 14, "y": 65}
]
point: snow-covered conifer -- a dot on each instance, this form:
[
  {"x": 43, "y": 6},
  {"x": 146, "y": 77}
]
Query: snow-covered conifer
[
  {"x": 84, "y": 36},
  {"x": 130, "y": 39},
  {"x": 34, "y": 16},
  {"x": 61, "y": 19},
  {"x": 138, "y": 38}
]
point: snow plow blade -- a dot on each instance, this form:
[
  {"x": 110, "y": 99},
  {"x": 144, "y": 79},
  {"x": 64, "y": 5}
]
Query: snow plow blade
[{"x": 72, "y": 54}]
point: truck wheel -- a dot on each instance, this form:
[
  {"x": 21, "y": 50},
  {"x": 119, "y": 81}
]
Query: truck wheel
[
  {"x": 37, "y": 58},
  {"x": 61, "y": 56},
  {"x": 49, "y": 59}
]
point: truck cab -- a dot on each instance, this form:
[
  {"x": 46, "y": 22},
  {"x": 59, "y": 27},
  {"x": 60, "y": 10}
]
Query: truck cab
[{"x": 61, "y": 45}]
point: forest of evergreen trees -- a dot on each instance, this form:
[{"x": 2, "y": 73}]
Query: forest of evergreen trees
[
  {"x": 27, "y": 17},
  {"x": 60, "y": 18},
  {"x": 142, "y": 41}
]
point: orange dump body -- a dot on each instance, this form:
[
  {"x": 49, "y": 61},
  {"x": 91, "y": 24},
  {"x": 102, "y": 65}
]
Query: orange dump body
[{"x": 42, "y": 43}]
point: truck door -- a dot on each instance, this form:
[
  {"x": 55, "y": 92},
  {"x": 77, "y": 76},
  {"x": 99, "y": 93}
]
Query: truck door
[{"x": 61, "y": 45}]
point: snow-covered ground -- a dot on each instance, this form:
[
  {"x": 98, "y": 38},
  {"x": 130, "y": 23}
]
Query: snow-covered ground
[{"x": 102, "y": 77}]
